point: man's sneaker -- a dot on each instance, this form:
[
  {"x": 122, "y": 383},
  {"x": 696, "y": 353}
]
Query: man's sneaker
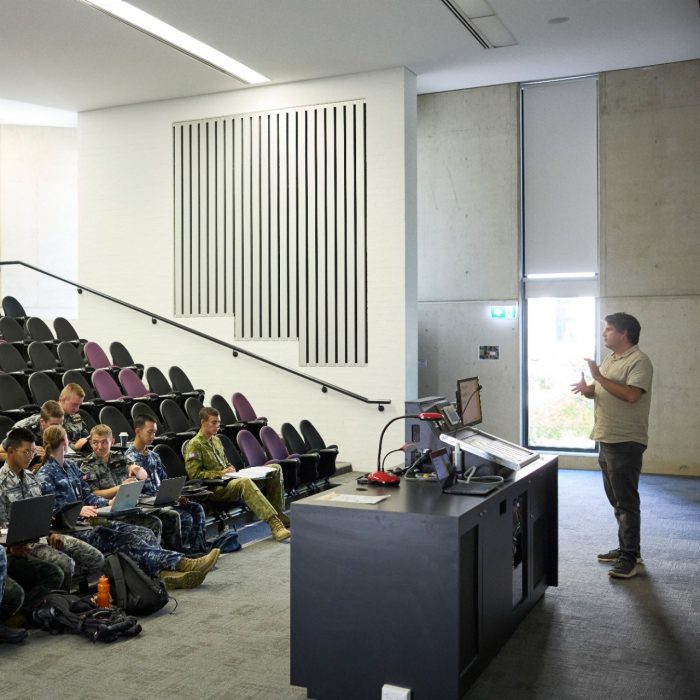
[
  {"x": 614, "y": 555},
  {"x": 279, "y": 531},
  {"x": 625, "y": 567},
  {"x": 204, "y": 564},
  {"x": 181, "y": 579}
]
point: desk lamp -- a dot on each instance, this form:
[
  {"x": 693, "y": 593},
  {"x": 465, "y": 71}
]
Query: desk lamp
[{"x": 380, "y": 476}]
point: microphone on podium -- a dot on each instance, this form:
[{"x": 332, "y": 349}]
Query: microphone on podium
[{"x": 380, "y": 476}]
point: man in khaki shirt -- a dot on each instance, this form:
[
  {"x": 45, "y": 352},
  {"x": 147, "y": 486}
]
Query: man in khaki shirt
[{"x": 621, "y": 391}]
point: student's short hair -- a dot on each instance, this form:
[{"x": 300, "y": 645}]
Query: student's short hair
[
  {"x": 70, "y": 389},
  {"x": 100, "y": 430},
  {"x": 51, "y": 409},
  {"x": 141, "y": 420},
  {"x": 622, "y": 322},
  {"x": 206, "y": 413},
  {"x": 17, "y": 436}
]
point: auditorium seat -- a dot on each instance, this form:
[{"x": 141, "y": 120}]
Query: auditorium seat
[
  {"x": 108, "y": 390},
  {"x": 43, "y": 360},
  {"x": 12, "y": 308},
  {"x": 66, "y": 333},
  {"x": 254, "y": 454},
  {"x": 115, "y": 419},
  {"x": 176, "y": 422},
  {"x": 71, "y": 358},
  {"x": 303, "y": 473},
  {"x": 13, "y": 334},
  {"x": 97, "y": 358},
  {"x": 315, "y": 443},
  {"x": 230, "y": 425},
  {"x": 295, "y": 443},
  {"x": 43, "y": 388},
  {"x": 182, "y": 384},
  {"x": 121, "y": 357},
  {"x": 39, "y": 332},
  {"x": 14, "y": 402},
  {"x": 246, "y": 414},
  {"x": 192, "y": 408},
  {"x": 134, "y": 388}
]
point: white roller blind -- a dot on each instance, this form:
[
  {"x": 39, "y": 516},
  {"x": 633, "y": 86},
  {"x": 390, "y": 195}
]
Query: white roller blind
[{"x": 560, "y": 176}]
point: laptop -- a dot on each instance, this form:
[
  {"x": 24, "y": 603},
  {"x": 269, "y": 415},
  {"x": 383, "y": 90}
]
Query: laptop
[
  {"x": 168, "y": 493},
  {"x": 448, "y": 477},
  {"x": 126, "y": 499},
  {"x": 66, "y": 519},
  {"x": 30, "y": 519}
]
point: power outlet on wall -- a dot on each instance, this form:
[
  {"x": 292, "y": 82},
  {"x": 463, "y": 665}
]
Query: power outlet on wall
[{"x": 393, "y": 692}]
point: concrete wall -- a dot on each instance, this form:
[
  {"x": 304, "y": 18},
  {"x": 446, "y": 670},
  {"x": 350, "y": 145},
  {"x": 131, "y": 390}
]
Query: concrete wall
[
  {"x": 468, "y": 245},
  {"x": 468, "y": 197},
  {"x": 126, "y": 249}
]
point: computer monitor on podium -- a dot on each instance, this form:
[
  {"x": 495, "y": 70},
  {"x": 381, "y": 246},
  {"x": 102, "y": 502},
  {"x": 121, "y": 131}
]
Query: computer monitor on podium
[{"x": 469, "y": 401}]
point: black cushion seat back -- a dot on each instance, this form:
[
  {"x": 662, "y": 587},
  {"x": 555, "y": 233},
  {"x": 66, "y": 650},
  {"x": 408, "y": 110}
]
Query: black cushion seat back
[
  {"x": 313, "y": 438},
  {"x": 173, "y": 463},
  {"x": 228, "y": 417},
  {"x": 121, "y": 357},
  {"x": 182, "y": 384},
  {"x": 157, "y": 383},
  {"x": 116, "y": 420},
  {"x": 6, "y": 424},
  {"x": 71, "y": 357},
  {"x": 235, "y": 459},
  {"x": 11, "y": 307},
  {"x": 88, "y": 419},
  {"x": 11, "y": 331},
  {"x": 143, "y": 409},
  {"x": 41, "y": 357},
  {"x": 192, "y": 407},
  {"x": 175, "y": 418},
  {"x": 38, "y": 330},
  {"x": 65, "y": 331},
  {"x": 295, "y": 442},
  {"x": 13, "y": 401},
  {"x": 74, "y": 376},
  {"x": 43, "y": 388},
  {"x": 11, "y": 360}
]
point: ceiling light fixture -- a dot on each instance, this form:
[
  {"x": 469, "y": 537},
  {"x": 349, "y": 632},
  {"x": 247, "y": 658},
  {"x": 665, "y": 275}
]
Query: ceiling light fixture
[
  {"x": 148, "y": 24},
  {"x": 480, "y": 20}
]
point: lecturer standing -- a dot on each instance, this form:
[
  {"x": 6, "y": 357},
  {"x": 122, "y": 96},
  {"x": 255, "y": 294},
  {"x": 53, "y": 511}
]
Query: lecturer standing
[{"x": 621, "y": 391}]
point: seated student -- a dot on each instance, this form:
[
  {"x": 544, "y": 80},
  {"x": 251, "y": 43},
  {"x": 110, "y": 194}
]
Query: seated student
[
  {"x": 183, "y": 524},
  {"x": 71, "y": 399},
  {"x": 205, "y": 459},
  {"x": 104, "y": 470},
  {"x": 10, "y": 601},
  {"x": 62, "y": 478},
  {"x": 51, "y": 413},
  {"x": 17, "y": 482}
]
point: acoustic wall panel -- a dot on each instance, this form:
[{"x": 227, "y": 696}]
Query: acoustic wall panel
[{"x": 270, "y": 226}]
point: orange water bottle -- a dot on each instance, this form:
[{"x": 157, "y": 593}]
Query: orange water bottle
[{"x": 103, "y": 592}]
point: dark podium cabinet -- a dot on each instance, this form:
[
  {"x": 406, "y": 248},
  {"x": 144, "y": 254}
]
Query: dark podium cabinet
[{"x": 420, "y": 590}]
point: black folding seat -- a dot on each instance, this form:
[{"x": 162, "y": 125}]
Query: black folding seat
[
  {"x": 235, "y": 459},
  {"x": 43, "y": 360},
  {"x": 176, "y": 422},
  {"x": 13, "y": 334},
  {"x": 182, "y": 384},
  {"x": 12, "y": 362},
  {"x": 71, "y": 358},
  {"x": 121, "y": 357},
  {"x": 12, "y": 308},
  {"x": 14, "y": 402},
  {"x": 65, "y": 332},
  {"x": 143, "y": 409},
  {"x": 6, "y": 424},
  {"x": 43, "y": 388},
  {"x": 295, "y": 443},
  {"x": 116, "y": 420},
  {"x": 315, "y": 443},
  {"x": 39, "y": 332},
  {"x": 88, "y": 419},
  {"x": 230, "y": 425},
  {"x": 192, "y": 408}
]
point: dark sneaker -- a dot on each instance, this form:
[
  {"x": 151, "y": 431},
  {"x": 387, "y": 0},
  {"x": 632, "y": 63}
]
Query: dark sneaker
[
  {"x": 614, "y": 555},
  {"x": 625, "y": 567}
]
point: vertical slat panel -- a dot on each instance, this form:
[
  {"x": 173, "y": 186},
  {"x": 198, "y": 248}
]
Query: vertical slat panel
[{"x": 270, "y": 226}]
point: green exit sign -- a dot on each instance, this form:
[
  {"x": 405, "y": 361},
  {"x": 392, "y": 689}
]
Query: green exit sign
[{"x": 505, "y": 312}]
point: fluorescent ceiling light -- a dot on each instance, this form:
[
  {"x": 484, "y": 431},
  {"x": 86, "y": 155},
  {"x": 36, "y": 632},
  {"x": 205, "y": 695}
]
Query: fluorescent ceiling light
[
  {"x": 178, "y": 40},
  {"x": 562, "y": 276},
  {"x": 475, "y": 8},
  {"x": 495, "y": 32},
  {"x": 26, "y": 114}
]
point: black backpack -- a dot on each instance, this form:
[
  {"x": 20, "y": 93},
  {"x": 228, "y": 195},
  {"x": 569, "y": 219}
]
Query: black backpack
[
  {"x": 59, "y": 612},
  {"x": 131, "y": 588}
]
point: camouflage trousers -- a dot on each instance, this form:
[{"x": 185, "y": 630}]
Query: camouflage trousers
[
  {"x": 76, "y": 558},
  {"x": 184, "y": 527},
  {"x": 146, "y": 520},
  {"x": 130, "y": 540},
  {"x": 35, "y": 577},
  {"x": 246, "y": 490},
  {"x": 3, "y": 570}
]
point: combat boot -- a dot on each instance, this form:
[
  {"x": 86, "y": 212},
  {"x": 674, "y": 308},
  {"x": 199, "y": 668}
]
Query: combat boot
[
  {"x": 279, "y": 531},
  {"x": 284, "y": 519},
  {"x": 181, "y": 579},
  {"x": 204, "y": 564}
]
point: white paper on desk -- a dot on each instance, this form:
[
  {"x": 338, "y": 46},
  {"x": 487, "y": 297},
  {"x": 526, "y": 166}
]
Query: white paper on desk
[
  {"x": 351, "y": 498},
  {"x": 251, "y": 473}
]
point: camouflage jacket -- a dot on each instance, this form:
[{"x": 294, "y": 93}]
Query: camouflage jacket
[{"x": 100, "y": 475}]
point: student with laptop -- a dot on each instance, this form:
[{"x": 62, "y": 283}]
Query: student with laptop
[
  {"x": 184, "y": 526},
  {"x": 104, "y": 470},
  {"x": 17, "y": 483},
  {"x": 63, "y": 478}
]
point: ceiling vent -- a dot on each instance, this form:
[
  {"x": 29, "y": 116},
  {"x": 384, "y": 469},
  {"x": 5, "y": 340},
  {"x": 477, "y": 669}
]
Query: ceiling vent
[{"x": 480, "y": 20}]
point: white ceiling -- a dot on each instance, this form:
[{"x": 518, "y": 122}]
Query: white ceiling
[{"x": 66, "y": 55}]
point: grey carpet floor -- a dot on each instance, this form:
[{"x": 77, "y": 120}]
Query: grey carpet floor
[{"x": 592, "y": 637}]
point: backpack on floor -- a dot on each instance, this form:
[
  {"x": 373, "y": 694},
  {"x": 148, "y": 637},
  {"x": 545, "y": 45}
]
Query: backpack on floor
[
  {"x": 60, "y": 612},
  {"x": 227, "y": 542},
  {"x": 132, "y": 589}
]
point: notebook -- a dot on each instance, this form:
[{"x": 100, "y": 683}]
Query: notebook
[
  {"x": 448, "y": 478},
  {"x": 29, "y": 519},
  {"x": 126, "y": 499},
  {"x": 168, "y": 493}
]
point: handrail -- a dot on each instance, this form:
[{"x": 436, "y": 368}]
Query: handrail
[{"x": 325, "y": 386}]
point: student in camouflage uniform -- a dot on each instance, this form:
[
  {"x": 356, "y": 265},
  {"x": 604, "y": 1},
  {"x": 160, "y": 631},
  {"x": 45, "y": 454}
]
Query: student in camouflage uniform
[
  {"x": 184, "y": 525},
  {"x": 62, "y": 478},
  {"x": 17, "y": 482},
  {"x": 104, "y": 470},
  {"x": 8, "y": 635},
  {"x": 70, "y": 400},
  {"x": 205, "y": 459},
  {"x": 51, "y": 413}
]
